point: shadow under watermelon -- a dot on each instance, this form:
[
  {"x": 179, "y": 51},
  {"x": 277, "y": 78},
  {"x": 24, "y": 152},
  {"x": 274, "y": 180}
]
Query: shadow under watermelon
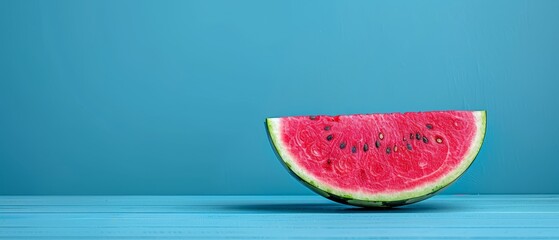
[{"x": 339, "y": 208}]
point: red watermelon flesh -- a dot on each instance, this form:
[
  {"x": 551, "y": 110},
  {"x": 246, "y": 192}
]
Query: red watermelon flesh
[{"x": 379, "y": 159}]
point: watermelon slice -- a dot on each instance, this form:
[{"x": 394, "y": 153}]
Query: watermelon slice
[{"x": 378, "y": 160}]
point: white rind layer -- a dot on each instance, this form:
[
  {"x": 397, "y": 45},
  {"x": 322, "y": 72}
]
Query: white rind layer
[{"x": 415, "y": 194}]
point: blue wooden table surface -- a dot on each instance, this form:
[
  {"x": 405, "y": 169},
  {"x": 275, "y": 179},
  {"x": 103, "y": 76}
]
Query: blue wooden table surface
[{"x": 259, "y": 217}]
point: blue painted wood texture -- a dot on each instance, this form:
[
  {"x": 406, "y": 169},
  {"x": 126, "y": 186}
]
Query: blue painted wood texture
[{"x": 259, "y": 217}]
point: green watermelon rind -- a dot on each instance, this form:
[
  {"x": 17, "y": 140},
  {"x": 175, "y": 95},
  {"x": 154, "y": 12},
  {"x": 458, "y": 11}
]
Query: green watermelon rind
[{"x": 383, "y": 199}]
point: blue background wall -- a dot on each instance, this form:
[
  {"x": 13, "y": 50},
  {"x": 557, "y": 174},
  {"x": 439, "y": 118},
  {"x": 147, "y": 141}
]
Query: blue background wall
[{"x": 169, "y": 97}]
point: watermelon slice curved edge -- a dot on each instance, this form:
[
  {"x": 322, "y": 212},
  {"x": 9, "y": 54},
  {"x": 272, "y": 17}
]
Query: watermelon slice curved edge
[{"x": 391, "y": 193}]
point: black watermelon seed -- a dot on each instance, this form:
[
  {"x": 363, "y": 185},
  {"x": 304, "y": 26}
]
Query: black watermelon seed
[
  {"x": 388, "y": 150},
  {"x": 329, "y": 137},
  {"x": 409, "y": 146},
  {"x": 313, "y": 117},
  {"x": 425, "y": 140},
  {"x": 429, "y": 126},
  {"x": 365, "y": 147},
  {"x": 342, "y": 145},
  {"x": 353, "y": 149},
  {"x": 377, "y": 144},
  {"x": 417, "y": 136},
  {"x": 327, "y": 128}
]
